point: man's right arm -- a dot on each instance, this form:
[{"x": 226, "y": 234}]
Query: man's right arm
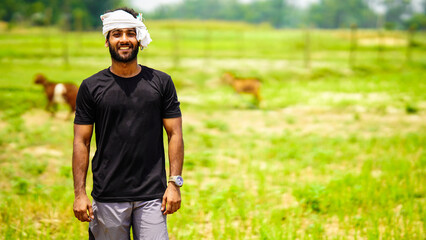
[{"x": 80, "y": 163}]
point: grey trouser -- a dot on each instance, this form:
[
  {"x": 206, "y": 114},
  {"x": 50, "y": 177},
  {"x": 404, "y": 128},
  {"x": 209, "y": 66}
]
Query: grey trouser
[{"x": 113, "y": 220}]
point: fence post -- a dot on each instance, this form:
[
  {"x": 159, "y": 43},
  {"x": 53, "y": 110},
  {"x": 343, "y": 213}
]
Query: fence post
[
  {"x": 66, "y": 28},
  {"x": 354, "y": 43},
  {"x": 380, "y": 47},
  {"x": 380, "y": 21},
  {"x": 47, "y": 22},
  {"x": 240, "y": 43},
  {"x": 175, "y": 46},
  {"x": 207, "y": 45},
  {"x": 410, "y": 44},
  {"x": 307, "y": 56}
]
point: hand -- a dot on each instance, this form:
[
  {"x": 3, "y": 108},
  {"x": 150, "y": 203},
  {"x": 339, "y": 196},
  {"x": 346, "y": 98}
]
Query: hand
[
  {"x": 82, "y": 204},
  {"x": 171, "y": 199}
]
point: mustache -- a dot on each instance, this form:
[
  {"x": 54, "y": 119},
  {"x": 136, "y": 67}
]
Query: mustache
[{"x": 125, "y": 45}]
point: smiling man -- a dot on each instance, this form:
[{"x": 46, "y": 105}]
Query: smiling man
[
  {"x": 122, "y": 52},
  {"x": 128, "y": 105}
]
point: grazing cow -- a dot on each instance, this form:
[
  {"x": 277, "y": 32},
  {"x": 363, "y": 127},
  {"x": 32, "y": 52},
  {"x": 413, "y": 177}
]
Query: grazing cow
[
  {"x": 58, "y": 93},
  {"x": 243, "y": 85}
]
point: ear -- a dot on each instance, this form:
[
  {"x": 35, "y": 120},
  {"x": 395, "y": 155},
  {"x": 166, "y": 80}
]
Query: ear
[{"x": 106, "y": 43}]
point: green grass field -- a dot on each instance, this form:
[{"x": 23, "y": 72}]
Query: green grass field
[{"x": 332, "y": 152}]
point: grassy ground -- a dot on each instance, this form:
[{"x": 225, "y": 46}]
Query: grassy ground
[{"x": 333, "y": 152}]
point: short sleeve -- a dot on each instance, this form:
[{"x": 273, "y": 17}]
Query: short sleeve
[
  {"x": 85, "y": 111},
  {"x": 170, "y": 103}
]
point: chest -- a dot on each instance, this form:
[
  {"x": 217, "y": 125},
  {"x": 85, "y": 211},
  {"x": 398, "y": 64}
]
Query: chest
[{"x": 129, "y": 96}]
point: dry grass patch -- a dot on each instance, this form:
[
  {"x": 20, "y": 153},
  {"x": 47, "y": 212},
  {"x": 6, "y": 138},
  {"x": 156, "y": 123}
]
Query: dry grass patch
[{"x": 303, "y": 120}]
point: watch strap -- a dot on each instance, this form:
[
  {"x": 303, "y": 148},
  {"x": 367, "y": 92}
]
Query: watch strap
[{"x": 176, "y": 180}]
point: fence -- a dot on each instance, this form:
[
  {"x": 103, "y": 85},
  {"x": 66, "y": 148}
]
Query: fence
[{"x": 306, "y": 47}]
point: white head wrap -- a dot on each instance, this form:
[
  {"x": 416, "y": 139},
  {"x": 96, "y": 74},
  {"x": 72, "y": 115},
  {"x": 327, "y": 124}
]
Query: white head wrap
[{"x": 123, "y": 19}]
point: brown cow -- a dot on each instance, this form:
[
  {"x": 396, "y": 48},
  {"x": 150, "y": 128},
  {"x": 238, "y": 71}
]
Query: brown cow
[
  {"x": 58, "y": 93},
  {"x": 244, "y": 85}
]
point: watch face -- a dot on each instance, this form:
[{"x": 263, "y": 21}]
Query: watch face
[{"x": 179, "y": 181}]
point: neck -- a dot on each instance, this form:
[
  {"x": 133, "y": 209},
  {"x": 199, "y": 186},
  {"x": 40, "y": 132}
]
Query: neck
[{"x": 125, "y": 70}]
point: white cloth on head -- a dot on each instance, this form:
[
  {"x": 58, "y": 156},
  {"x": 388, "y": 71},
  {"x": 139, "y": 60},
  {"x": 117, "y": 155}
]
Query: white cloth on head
[{"x": 123, "y": 19}]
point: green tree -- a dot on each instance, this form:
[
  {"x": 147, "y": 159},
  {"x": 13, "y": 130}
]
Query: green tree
[
  {"x": 396, "y": 10},
  {"x": 42, "y": 12},
  {"x": 336, "y": 13},
  {"x": 417, "y": 21},
  {"x": 271, "y": 11}
]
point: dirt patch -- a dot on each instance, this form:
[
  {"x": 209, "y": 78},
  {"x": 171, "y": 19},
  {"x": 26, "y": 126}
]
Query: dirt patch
[
  {"x": 385, "y": 41},
  {"x": 3, "y": 125},
  {"x": 289, "y": 201},
  {"x": 37, "y": 117},
  {"x": 372, "y": 38},
  {"x": 303, "y": 120},
  {"x": 299, "y": 120},
  {"x": 40, "y": 151},
  {"x": 339, "y": 97}
]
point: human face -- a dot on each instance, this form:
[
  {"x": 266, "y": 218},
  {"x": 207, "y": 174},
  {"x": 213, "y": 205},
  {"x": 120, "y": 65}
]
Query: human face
[{"x": 123, "y": 45}]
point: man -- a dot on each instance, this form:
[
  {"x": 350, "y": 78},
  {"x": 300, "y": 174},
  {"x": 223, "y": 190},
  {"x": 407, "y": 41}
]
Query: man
[{"x": 129, "y": 104}]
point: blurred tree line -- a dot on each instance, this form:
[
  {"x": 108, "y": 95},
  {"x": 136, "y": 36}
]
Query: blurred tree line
[
  {"x": 84, "y": 14},
  {"x": 323, "y": 14},
  {"x": 71, "y": 14}
]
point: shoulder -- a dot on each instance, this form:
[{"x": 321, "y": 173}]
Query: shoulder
[
  {"x": 155, "y": 75},
  {"x": 97, "y": 78}
]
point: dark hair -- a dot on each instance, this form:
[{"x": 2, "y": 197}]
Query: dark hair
[{"x": 126, "y": 9}]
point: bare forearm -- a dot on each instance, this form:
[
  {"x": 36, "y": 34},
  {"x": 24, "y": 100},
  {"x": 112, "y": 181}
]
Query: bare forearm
[
  {"x": 176, "y": 154},
  {"x": 80, "y": 164}
]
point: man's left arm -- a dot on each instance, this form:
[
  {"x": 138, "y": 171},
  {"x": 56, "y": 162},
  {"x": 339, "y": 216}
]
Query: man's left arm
[{"x": 172, "y": 199}]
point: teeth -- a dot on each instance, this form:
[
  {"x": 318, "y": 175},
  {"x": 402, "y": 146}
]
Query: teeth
[{"x": 124, "y": 48}]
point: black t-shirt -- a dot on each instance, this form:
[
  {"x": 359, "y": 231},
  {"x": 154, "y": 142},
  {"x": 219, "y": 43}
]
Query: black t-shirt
[{"x": 127, "y": 113}]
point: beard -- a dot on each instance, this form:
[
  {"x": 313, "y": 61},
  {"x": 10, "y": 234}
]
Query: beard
[{"x": 124, "y": 59}]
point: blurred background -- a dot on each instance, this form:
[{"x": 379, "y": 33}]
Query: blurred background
[
  {"x": 302, "y": 119},
  {"x": 84, "y": 15}
]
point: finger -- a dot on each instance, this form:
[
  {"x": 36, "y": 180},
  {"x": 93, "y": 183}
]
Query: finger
[
  {"x": 82, "y": 216},
  {"x": 163, "y": 204},
  {"x": 91, "y": 215},
  {"x": 169, "y": 207},
  {"x": 85, "y": 218},
  {"x": 77, "y": 214},
  {"x": 175, "y": 207},
  {"x": 172, "y": 207}
]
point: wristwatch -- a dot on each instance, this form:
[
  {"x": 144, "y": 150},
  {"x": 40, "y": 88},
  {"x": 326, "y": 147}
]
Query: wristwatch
[{"x": 178, "y": 180}]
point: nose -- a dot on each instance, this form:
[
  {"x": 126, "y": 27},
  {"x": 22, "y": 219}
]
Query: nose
[{"x": 124, "y": 37}]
